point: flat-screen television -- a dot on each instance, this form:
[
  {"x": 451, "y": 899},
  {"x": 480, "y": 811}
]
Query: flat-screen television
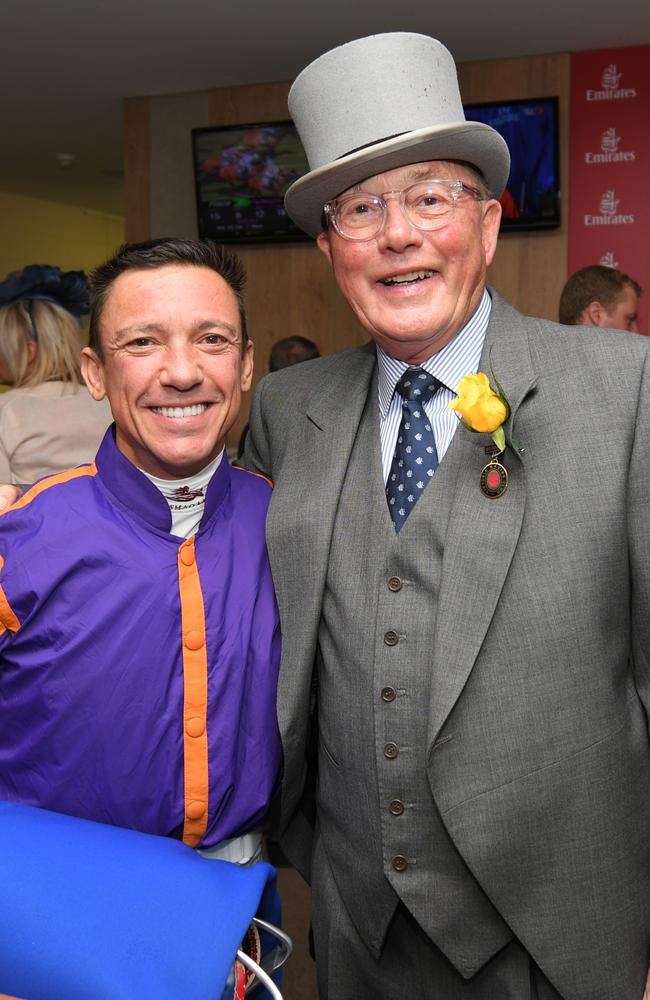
[
  {"x": 530, "y": 127},
  {"x": 241, "y": 174}
]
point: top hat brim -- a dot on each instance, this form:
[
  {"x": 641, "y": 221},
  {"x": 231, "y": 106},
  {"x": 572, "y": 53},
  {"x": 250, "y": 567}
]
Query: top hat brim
[{"x": 473, "y": 142}]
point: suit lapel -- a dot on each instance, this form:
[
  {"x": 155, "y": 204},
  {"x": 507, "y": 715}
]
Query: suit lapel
[
  {"x": 311, "y": 484},
  {"x": 331, "y": 423},
  {"x": 482, "y": 533}
]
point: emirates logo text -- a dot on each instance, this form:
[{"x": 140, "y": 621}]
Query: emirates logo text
[
  {"x": 608, "y": 212},
  {"x": 609, "y": 151},
  {"x": 610, "y": 87}
]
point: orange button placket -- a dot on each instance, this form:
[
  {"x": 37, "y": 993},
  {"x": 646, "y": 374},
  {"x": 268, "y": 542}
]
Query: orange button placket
[{"x": 195, "y": 705}]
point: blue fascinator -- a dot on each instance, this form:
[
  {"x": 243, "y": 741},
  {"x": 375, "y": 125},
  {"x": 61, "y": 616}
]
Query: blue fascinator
[{"x": 45, "y": 283}]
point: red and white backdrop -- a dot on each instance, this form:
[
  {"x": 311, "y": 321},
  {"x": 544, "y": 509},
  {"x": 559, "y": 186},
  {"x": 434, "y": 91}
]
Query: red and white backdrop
[{"x": 609, "y": 203}]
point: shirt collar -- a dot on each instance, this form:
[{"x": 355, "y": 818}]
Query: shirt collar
[
  {"x": 461, "y": 356},
  {"x": 135, "y": 492}
]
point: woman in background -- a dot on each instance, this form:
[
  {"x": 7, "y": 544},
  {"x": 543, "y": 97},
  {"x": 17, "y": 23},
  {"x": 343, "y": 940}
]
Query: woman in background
[{"x": 49, "y": 422}]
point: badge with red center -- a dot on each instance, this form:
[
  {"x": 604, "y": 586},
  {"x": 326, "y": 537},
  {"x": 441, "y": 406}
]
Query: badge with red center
[
  {"x": 494, "y": 478},
  {"x": 483, "y": 409}
]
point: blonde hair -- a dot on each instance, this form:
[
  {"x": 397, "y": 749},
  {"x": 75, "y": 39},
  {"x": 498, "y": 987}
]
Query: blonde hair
[{"x": 56, "y": 334}]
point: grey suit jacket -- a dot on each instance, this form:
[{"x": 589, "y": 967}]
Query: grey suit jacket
[{"x": 538, "y": 754}]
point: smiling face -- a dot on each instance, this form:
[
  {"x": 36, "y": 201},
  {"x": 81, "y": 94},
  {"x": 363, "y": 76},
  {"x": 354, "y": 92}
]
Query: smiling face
[
  {"x": 173, "y": 368},
  {"x": 412, "y": 289}
]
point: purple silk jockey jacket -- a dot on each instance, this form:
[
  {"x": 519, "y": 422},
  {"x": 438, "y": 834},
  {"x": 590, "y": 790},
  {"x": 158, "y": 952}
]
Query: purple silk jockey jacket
[{"x": 138, "y": 670}]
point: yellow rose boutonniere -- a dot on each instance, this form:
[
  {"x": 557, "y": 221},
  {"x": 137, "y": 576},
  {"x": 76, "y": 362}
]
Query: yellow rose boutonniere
[{"x": 481, "y": 408}]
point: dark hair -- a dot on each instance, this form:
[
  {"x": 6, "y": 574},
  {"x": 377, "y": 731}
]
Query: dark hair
[
  {"x": 159, "y": 253},
  {"x": 290, "y": 351},
  {"x": 595, "y": 283}
]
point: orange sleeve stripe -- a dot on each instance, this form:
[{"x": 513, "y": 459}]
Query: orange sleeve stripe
[
  {"x": 258, "y": 474},
  {"x": 61, "y": 477},
  {"x": 195, "y": 706},
  {"x": 8, "y": 620}
]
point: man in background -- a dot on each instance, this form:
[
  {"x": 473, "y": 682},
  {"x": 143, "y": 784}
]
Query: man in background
[
  {"x": 291, "y": 351},
  {"x": 601, "y": 296}
]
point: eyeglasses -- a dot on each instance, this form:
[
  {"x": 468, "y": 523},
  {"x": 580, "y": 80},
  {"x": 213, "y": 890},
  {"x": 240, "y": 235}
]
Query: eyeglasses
[{"x": 426, "y": 205}]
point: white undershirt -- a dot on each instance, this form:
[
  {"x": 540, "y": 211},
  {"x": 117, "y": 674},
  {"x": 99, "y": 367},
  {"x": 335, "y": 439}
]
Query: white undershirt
[{"x": 186, "y": 497}]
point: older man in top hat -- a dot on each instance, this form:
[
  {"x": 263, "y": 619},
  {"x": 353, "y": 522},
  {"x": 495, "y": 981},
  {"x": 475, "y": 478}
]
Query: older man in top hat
[{"x": 463, "y": 701}]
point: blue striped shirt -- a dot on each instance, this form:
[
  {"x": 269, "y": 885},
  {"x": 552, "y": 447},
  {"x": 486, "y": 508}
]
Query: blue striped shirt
[{"x": 461, "y": 356}]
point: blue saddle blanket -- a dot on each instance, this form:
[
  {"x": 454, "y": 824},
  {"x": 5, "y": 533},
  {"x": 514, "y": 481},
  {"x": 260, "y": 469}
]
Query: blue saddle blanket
[{"x": 95, "y": 912}]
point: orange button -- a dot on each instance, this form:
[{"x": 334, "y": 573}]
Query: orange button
[
  {"x": 195, "y": 726},
  {"x": 187, "y": 555},
  {"x": 195, "y": 810},
  {"x": 195, "y": 639}
]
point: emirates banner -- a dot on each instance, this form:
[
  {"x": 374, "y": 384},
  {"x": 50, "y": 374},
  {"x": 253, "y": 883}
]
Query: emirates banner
[{"x": 609, "y": 204}]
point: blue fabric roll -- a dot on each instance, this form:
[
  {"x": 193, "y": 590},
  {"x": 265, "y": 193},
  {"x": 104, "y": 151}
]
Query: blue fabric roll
[{"x": 94, "y": 911}]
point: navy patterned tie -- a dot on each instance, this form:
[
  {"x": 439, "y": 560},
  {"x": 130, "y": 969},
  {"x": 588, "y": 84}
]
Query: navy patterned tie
[{"x": 416, "y": 458}]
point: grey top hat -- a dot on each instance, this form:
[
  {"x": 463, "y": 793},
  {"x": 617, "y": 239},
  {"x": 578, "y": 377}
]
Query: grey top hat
[{"x": 378, "y": 103}]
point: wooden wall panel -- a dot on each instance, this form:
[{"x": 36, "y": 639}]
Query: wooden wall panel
[
  {"x": 256, "y": 102},
  {"x": 136, "y": 169},
  {"x": 171, "y": 163}
]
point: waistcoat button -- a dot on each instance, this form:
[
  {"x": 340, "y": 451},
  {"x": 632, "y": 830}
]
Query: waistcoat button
[
  {"x": 396, "y": 808},
  {"x": 394, "y": 584},
  {"x": 399, "y": 863},
  {"x": 391, "y": 750},
  {"x": 388, "y": 694},
  {"x": 391, "y": 638}
]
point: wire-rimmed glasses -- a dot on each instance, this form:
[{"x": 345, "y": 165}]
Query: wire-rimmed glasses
[{"x": 426, "y": 204}]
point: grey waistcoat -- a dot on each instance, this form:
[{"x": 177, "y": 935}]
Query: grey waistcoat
[{"x": 381, "y": 829}]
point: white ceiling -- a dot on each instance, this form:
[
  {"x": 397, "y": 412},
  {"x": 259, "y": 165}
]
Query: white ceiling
[{"x": 66, "y": 65}]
